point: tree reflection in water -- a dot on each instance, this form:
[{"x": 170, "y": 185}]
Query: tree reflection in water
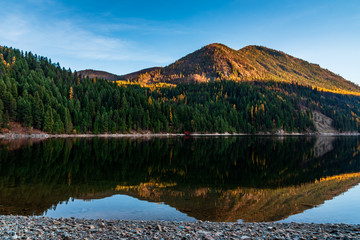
[{"x": 215, "y": 179}]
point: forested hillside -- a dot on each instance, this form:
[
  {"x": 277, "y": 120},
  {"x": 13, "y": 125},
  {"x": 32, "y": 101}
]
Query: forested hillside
[{"x": 42, "y": 95}]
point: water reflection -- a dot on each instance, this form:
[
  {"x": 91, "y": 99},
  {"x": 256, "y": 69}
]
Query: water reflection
[{"x": 215, "y": 179}]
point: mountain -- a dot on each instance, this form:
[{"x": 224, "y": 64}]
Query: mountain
[
  {"x": 219, "y": 62},
  {"x": 98, "y": 74}
]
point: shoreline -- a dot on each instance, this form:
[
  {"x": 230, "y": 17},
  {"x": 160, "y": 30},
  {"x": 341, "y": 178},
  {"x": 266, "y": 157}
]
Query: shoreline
[
  {"x": 16, "y": 227},
  {"x": 12, "y": 136}
]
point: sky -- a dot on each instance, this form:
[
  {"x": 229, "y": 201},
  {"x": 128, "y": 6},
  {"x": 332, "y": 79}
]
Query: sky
[{"x": 128, "y": 35}]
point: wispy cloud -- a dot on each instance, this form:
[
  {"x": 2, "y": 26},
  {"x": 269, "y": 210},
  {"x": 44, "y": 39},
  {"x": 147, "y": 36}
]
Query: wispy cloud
[
  {"x": 73, "y": 37},
  {"x": 13, "y": 28},
  {"x": 66, "y": 38}
]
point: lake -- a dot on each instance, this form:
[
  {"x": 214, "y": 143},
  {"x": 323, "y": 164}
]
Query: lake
[{"x": 243, "y": 178}]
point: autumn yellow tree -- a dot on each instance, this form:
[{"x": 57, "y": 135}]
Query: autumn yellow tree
[
  {"x": 71, "y": 93},
  {"x": 171, "y": 115}
]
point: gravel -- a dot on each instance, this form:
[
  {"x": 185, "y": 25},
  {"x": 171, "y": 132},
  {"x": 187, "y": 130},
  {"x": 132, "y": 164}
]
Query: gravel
[{"x": 20, "y": 227}]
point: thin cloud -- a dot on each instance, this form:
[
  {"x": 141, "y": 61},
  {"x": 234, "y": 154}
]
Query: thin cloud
[
  {"x": 13, "y": 28},
  {"x": 66, "y": 38}
]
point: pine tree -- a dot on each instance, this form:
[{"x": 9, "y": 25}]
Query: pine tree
[
  {"x": 48, "y": 121},
  {"x": 5, "y": 119},
  {"x": 68, "y": 123},
  {"x": 37, "y": 112}
]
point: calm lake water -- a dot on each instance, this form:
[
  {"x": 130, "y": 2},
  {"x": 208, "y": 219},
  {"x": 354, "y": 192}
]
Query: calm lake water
[{"x": 301, "y": 179}]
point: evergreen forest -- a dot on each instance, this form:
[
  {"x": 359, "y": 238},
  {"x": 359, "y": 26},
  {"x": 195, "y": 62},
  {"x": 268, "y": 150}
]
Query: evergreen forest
[{"x": 41, "y": 95}]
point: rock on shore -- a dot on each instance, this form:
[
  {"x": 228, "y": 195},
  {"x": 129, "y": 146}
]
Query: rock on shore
[{"x": 19, "y": 227}]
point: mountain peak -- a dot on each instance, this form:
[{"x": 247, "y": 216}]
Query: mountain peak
[{"x": 216, "y": 46}]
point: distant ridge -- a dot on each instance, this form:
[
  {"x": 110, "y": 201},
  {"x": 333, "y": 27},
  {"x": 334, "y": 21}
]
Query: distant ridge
[
  {"x": 219, "y": 62},
  {"x": 136, "y": 74},
  {"x": 97, "y": 74}
]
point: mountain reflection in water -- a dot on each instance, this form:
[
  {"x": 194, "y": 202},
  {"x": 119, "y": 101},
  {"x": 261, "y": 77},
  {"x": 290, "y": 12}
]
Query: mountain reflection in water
[{"x": 214, "y": 179}]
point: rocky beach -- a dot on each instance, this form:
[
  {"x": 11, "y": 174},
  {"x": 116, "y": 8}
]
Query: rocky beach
[{"x": 20, "y": 227}]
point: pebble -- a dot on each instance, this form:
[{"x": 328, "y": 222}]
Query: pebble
[
  {"x": 20, "y": 227},
  {"x": 158, "y": 227}
]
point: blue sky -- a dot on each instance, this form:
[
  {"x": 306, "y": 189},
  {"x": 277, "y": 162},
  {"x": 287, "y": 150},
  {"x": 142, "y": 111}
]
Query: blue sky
[{"x": 128, "y": 35}]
